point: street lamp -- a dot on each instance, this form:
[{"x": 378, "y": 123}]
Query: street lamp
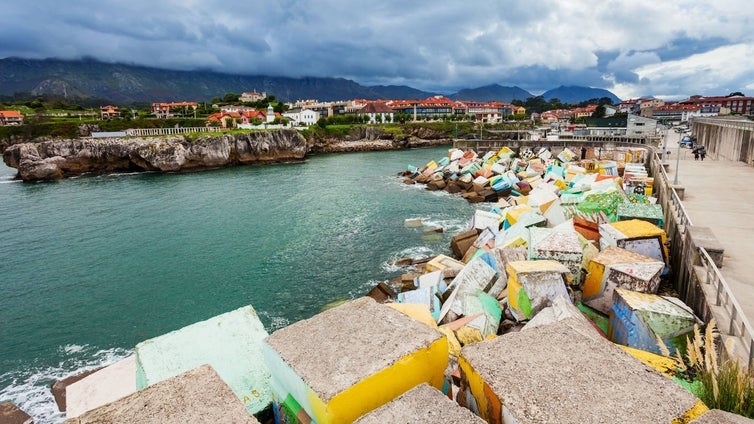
[{"x": 677, "y": 162}]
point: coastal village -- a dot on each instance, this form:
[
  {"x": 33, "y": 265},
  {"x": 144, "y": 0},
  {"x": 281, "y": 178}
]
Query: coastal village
[
  {"x": 304, "y": 113},
  {"x": 556, "y": 290}
]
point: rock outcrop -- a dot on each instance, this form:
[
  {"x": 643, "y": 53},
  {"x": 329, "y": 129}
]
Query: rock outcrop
[
  {"x": 50, "y": 160},
  {"x": 368, "y": 138}
]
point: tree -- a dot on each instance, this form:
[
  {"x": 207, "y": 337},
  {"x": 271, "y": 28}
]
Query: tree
[
  {"x": 736, "y": 93},
  {"x": 231, "y": 97},
  {"x": 599, "y": 112}
]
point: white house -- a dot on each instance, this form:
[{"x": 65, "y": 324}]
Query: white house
[{"x": 302, "y": 116}]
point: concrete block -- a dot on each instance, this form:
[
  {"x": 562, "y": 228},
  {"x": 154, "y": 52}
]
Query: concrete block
[
  {"x": 651, "y": 213},
  {"x": 102, "y": 387},
  {"x": 59, "y": 387},
  {"x": 637, "y": 236},
  {"x": 230, "y": 342},
  {"x": 487, "y": 311},
  {"x": 716, "y": 416},
  {"x": 12, "y": 414},
  {"x": 476, "y": 275},
  {"x": 558, "y": 245},
  {"x": 421, "y": 405},
  {"x": 565, "y": 373},
  {"x": 460, "y": 243},
  {"x": 616, "y": 267},
  {"x": 533, "y": 285},
  {"x": 442, "y": 263},
  {"x": 638, "y": 319},
  {"x": 425, "y": 296},
  {"x": 382, "y": 293},
  {"x": 347, "y": 361},
  {"x": 199, "y": 395},
  {"x": 704, "y": 237},
  {"x": 560, "y": 309},
  {"x": 483, "y": 219}
]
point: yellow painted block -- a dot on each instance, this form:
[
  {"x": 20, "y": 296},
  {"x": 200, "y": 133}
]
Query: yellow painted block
[
  {"x": 513, "y": 214},
  {"x": 468, "y": 335},
  {"x": 516, "y": 242},
  {"x": 489, "y": 405},
  {"x": 432, "y": 165},
  {"x": 637, "y": 228},
  {"x": 442, "y": 262},
  {"x": 695, "y": 412},
  {"x": 426, "y": 365},
  {"x": 514, "y": 287},
  {"x": 417, "y": 311},
  {"x": 593, "y": 281},
  {"x": 561, "y": 184},
  {"x": 454, "y": 346},
  {"x": 665, "y": 365}
]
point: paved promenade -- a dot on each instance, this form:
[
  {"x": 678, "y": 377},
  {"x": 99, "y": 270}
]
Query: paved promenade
[{"x": 720, "y": 195}]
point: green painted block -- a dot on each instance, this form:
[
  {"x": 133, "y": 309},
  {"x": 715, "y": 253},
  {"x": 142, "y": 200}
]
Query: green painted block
[{"x": 230, "y": 343}]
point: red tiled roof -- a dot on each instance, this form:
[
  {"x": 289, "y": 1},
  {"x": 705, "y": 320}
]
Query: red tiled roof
[{"x": 11, "y": 114}]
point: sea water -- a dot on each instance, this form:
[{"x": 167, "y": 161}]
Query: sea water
[{"x": 91, "y": 266}]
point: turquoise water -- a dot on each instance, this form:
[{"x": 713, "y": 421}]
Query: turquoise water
[{"x": 91, "y": 266}]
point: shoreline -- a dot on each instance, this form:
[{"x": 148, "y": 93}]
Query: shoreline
[{"x": 58, "y": 159}]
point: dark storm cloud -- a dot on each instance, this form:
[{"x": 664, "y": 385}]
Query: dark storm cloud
[{"x": 438, "y": 46}]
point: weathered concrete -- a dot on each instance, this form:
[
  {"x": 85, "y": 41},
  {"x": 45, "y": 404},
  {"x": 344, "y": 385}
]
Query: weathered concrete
[
  {"x": 716, "y": 416},
  {"x": 615, "y": 267},
  {"x": 59, "y": 388},
  {"x": 11, "y": 414},
  {"x": 720, "y": 195},
  {"x": 704, "y": 237},
  {"x": 230, "y": 342},
  {"x": 421, "y": 405},
  {"x": 567, "y": 373},
  {"x": 102, "y": 387},
  {"x": 638, "y": 320},
  {"x": 349, "y": 360},
  {"x": 199, "y": 395},
  {"x": 726, "y": 139}
]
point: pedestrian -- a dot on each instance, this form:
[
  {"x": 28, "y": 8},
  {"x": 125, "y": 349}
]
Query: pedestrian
[
  {"x": 696, "y": 154},
  {"x": 702, "y": 152}
]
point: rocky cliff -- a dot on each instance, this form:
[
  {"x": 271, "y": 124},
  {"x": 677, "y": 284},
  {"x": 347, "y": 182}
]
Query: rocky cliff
[
  {"x": 367, "y": 138},
  {"x": 50, "y": 160}
]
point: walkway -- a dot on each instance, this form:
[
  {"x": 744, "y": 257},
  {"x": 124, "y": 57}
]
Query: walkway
[{"x": 719, "y": 194}]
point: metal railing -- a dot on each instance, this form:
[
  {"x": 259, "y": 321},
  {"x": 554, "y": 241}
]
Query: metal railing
[
  {"x": 741, "y": 124},
  {"x": 683, "y": 260},
  {"x": 169, "y": 131}
]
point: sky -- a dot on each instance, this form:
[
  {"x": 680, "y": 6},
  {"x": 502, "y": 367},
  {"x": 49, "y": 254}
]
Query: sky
[{"x": 667, "y": 49}]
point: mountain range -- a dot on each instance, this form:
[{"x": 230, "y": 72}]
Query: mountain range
[{"x": 127, "y": 84}]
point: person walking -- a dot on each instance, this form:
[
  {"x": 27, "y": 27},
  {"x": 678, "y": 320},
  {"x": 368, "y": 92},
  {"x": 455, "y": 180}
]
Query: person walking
[
  {"x": 702, "y": 153},
  {"x": 696, "y": 153}
]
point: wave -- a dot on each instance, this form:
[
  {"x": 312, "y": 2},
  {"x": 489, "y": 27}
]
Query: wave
[
  {"x": 416, "y": 252},
  {"x": 29, "y": 388}
]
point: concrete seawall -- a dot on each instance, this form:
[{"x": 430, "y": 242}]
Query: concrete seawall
[{"x": 726, "y": 139}]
